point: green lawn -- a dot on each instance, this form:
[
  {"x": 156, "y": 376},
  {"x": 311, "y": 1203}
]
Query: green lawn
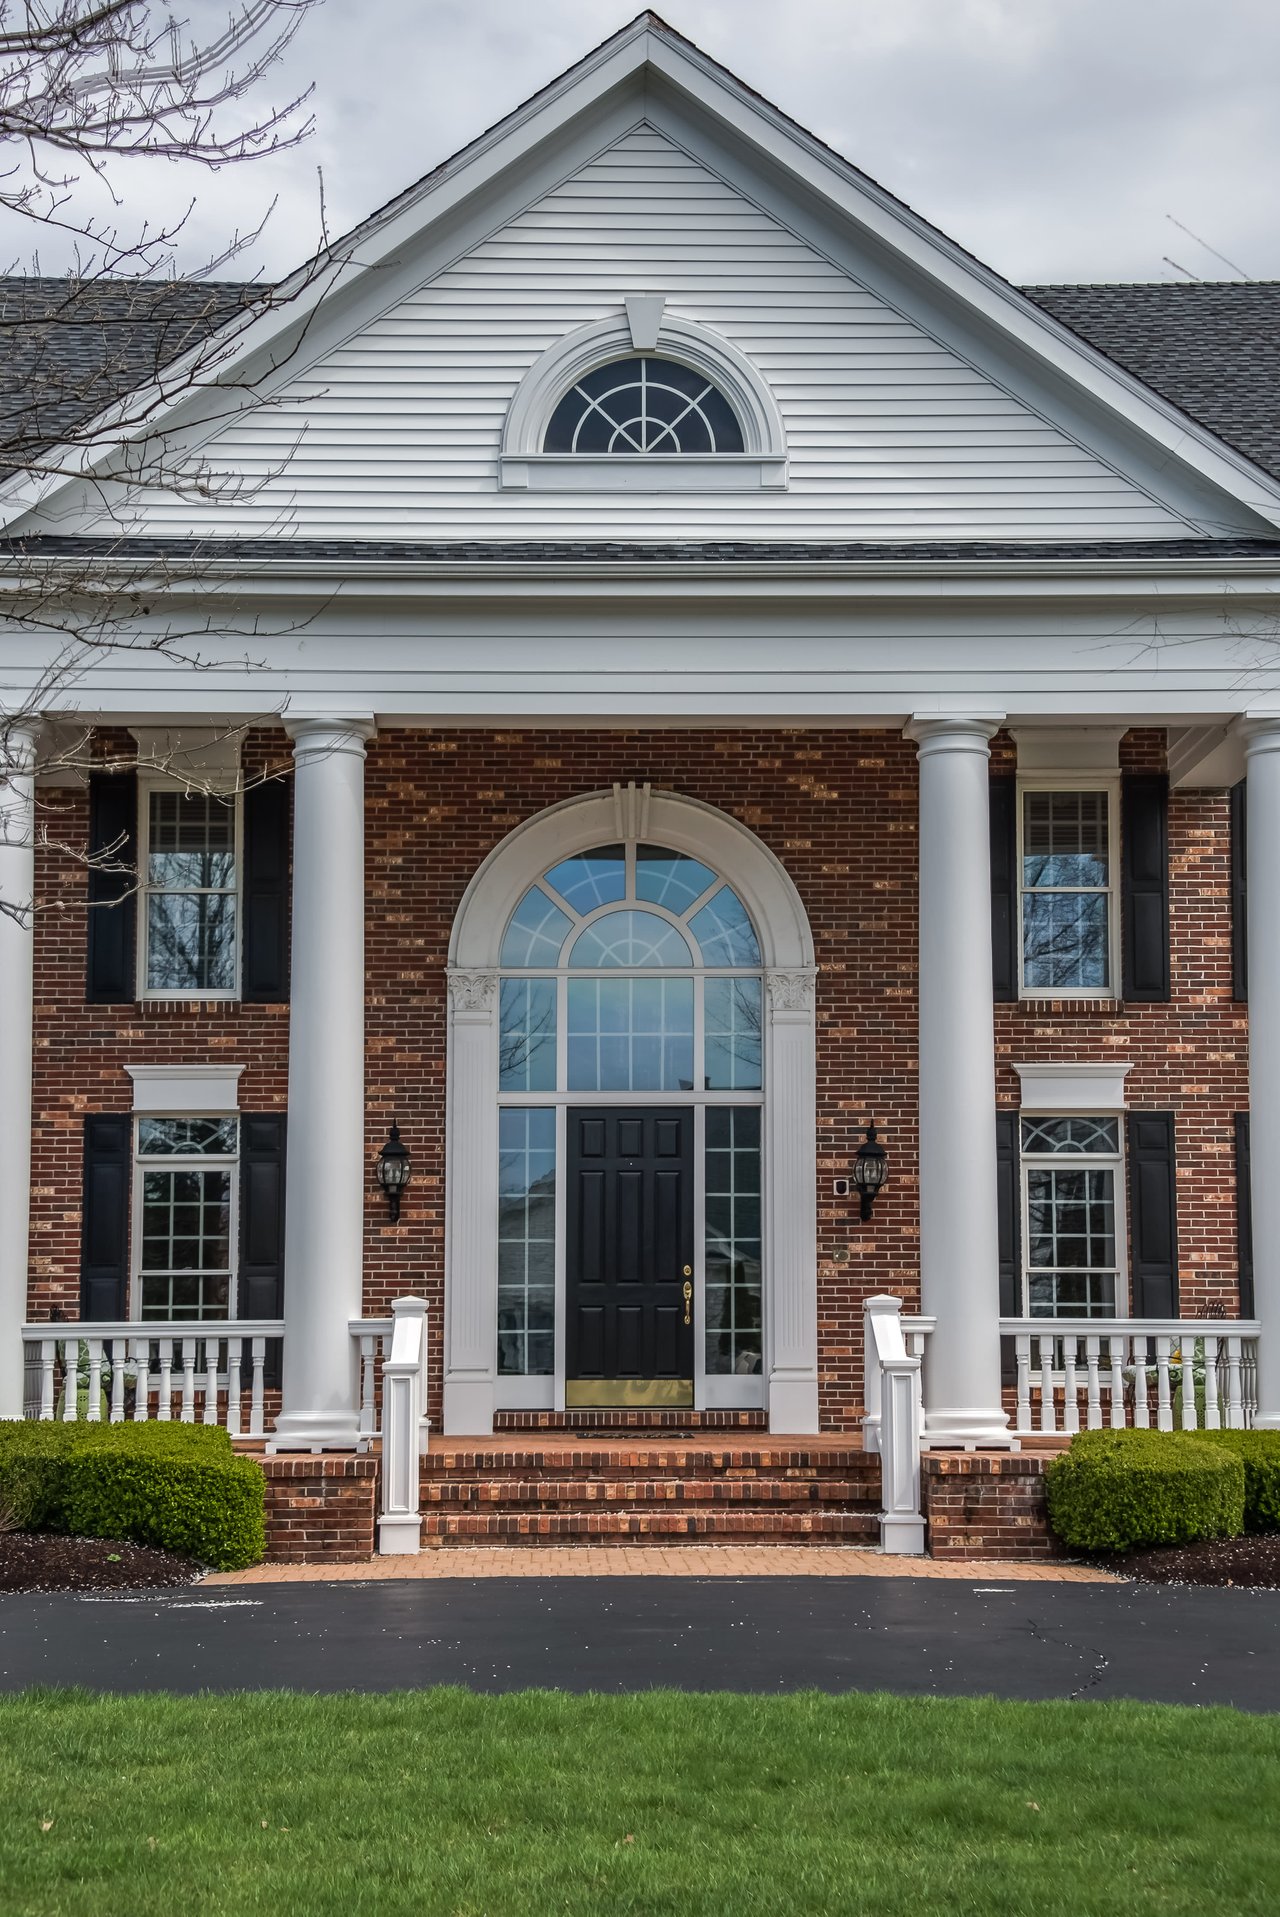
[{"x": 539, "y": 1803}]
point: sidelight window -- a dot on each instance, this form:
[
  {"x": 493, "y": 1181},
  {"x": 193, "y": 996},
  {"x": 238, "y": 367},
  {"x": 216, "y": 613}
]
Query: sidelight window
[
  {"x": 734, "y": 1301},
  {"x": 526, "y": 1242}
]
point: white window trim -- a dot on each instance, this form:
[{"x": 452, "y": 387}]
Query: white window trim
[
  {"x": 1115, "y": 1162},
  {"x": 152, "y": 994},
  {"x": 761, "y": 466},
  {"x": 198, "y": 1161},
  {"x": 1064, "y": 1090},
  {"x": 1083, "y": 782},
  {"x": 177, "y": 1091}
]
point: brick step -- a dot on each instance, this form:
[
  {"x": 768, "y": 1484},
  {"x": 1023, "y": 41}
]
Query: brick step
[
  {"x": 645, "y": 1493},
  {"x": 637, "y": 1420},
  {"x": 731, "y": 1526},
  {"x": 648, "y": 1460}
]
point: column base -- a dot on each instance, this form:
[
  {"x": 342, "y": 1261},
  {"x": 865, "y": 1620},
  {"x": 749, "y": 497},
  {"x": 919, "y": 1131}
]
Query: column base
[
  {"x": 399, "y": 1537},
  {"x": 318, "y": 1431},
  {"x": 967, "y": 1427},
  {"x": 901, "y": 1537},
  {"x": 793, "y": 1404}
]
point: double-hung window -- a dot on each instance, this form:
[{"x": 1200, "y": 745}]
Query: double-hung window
[
  {"x": 190, "y": 869},
  {"x": 186, "y": 1195},
  {"x": 1072, "y": 1186},
  {"x": 1067, "y": 860}
]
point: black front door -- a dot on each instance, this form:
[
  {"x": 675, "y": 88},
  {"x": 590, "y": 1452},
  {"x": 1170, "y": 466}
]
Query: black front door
[{"x": 629, "y": 1278}]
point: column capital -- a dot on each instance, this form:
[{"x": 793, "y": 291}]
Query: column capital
[
  {"x": 952, "y": 731},
  {"x": 19, "y": 744},
  {"x": 1260, "y": 732},
  {"x": 318, "y": 735}
]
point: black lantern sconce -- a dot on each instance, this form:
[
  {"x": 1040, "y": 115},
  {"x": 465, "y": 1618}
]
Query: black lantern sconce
[
  {"x": 870, "y": 1172},
  {"x": 395, "y": 1168}
]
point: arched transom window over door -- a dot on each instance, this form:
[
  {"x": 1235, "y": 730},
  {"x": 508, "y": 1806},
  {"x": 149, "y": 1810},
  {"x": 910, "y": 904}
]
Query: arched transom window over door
[{"x": 631, "y": 988}]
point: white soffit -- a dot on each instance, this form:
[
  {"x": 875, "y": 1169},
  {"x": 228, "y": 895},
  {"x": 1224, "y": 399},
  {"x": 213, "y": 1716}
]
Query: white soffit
[
  {"x": 185, "y": 1088},
  {"x": 1073, "y": 1088},
  {"x": 1072, "y": 749},
  {"x": 206, "y": 757}
]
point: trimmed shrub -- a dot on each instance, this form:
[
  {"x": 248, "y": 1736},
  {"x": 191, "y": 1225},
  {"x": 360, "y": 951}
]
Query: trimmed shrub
[
  {"x": 1259, "y": 1453},
  {"x": 1114, "y": 1489},
  {"x": 179, "y": 1487}
]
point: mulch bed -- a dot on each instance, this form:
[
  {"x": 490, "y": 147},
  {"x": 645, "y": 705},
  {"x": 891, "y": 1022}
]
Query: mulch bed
[
  {"x": 1253, "y": 1562},
  {"x": 32, "y": 1561}
]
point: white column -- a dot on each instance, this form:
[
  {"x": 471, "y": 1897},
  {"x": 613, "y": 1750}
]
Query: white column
[
  {"x": 959, "y": 1241},
  {"x": 1262, "y": 793},
  {"x": 471, "y": 1247},
  {"x": 791, "y": 1203},
  {"x": 17, "y": 891},
  {"x": 325, "y": 1164}
]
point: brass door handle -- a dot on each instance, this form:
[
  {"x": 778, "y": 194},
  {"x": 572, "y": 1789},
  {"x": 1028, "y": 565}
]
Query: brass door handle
[{"x": 688, "y": 1301}]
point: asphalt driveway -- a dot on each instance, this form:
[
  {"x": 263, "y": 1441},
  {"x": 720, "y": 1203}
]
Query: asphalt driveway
[{"x": 914, "y": 1636}]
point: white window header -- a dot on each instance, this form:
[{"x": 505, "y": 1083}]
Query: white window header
[
  {"x": 185, "y": 1088},
  {"x": 1073, "y": 1088}
]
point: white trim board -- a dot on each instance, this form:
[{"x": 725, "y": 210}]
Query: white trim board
[
  {"x": 1073, "y": 1088},
  {"x": 182, "y": 1089}
]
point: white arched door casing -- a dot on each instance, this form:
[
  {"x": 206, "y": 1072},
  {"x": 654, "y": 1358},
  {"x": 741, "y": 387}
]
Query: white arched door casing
[{"x": 789, "y": 1145}]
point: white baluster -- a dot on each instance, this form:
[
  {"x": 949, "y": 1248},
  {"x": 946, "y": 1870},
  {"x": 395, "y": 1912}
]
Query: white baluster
[
  {"x": 1115, "y": 1353},
  {"x": 233, "y": 1385},
  {"x": 164, "y": 1409},
  {"x": 48, "y": 1357},
  {"x": 1022, "y": 1347},
  {"x": 1141, "y": 1393},
  {"x": 1164, "y": 1400},
  {"x": 70, "y": 1380},
  {"x": 259, "y": 1346},
  {"x": 188, "y": 1412},
  {"x": 93, "y": 1410},
  {"x": 210, "y": 1381},
  {"x": 1235, "y": 1396},
  {"x": 1190, "y": 1422},
  {"x": 1249, "y": 1380},
  {"x": 1047, "y": 1420},
  {"x": 368, "y": 1409},
  {"x": 119, "y": 1346},
  {"x": 1212, "y": 1415},
  {"x": 142, "y": 1380},
  {"x": 1070, "y": 1405},
  {"x": 1092, "y": 1347}
]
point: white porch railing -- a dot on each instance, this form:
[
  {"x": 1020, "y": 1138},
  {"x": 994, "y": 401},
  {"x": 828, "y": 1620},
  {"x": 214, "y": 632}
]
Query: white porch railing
[
  {"x": 371, "y": 1340},
  {"x": 180, "y": 1372},
  {"x": 893, "y": 1347},
  {"x": 1164, "y": 1375}
]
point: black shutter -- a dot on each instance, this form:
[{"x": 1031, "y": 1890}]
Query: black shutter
[
  {"x": 1144, "y": 861},
  {"x": 1009, "y": 1202},
  {"x": 1153, "y": 1216},
  {"x": 1244, "y": 1215},
  {"x": 113, "y": 838},
  {"x": 1004, "y": 888},
  {"x": 1239, "y": 893},
  {"x": 104, "y": 1243},
  {"x": 265, "y": 970},
  {"x": 261, "y": 1281}
]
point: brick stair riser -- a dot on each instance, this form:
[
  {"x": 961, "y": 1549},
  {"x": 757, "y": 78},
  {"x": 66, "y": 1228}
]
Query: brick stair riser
[
  {"x": 637, "y": 1421},
  {"x": 630, "y": 1493},
  {"x": 620, "y": 1527},
  {"x": 648, "y": 1461}
]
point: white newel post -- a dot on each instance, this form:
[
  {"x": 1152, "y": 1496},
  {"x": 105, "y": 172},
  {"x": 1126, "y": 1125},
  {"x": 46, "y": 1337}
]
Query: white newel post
[
  {"x": 325, "y": 1168},
  {"x": 791, "y": 1201},
  {"x": 959, "y": 1242},
  {"x": 471, "y": 1321},
  {"x": 17, "y": 888},
  {"x": 1262, "y": 793},
  {"x": 400, "y": 1520}
]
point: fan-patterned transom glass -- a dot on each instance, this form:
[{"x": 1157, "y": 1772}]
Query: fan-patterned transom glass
[{"x": 643, "y": 405}]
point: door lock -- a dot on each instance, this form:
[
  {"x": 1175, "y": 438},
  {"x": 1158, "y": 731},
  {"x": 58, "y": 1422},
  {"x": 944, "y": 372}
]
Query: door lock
[
  {"x": 688, "y": 1301},
  {"x": 687, "y": 1272}
]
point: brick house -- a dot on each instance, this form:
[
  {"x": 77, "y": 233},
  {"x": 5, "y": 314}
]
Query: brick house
[{"x": 727, "y": 672}]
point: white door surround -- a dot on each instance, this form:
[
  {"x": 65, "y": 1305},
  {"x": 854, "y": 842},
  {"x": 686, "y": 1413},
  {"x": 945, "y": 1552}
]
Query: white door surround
[{"x": 789, "y": 1129}]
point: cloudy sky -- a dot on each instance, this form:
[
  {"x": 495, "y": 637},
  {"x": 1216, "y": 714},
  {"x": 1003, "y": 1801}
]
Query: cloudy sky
[{"x": 1051, "y": 137}]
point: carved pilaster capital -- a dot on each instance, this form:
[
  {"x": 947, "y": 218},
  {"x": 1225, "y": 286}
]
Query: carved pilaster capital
[
  {"x": 792, "y": 991},
  {"x": 472, "y": 991}
]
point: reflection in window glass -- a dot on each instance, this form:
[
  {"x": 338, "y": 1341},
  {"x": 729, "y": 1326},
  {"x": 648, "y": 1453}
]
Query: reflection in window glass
[
  {"x": 1069, "y": 1168},
  {"x": 191, "y": 892},
  {"x": 537, "y": 930},
  {"x": 724, "y": 931},
  {"x": 734, "y": 1339},
  {"x": 526, "y": 1242},
  {"x": 643, "y": 405},
  {"x": 190, "y": 1137},
  {"x": 631, "y": 1035},
  {"x": 184, "y": 1249},
  {"x": 1066, "y": 899},
  {"x": 669, "y": 878},
  {"x": 630, "y": 938},
  {"x": 591, "y": 879},
  {"x": 733, "y": 1033},
  {"x": 527, "y": 1035}
]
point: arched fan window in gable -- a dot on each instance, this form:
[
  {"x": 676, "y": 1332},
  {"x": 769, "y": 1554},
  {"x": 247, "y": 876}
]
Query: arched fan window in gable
[{"x": 643, "y": 404}]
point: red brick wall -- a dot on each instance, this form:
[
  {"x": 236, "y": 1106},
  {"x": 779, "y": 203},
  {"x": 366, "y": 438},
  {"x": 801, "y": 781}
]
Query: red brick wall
[
  {"x": 985, "y": 1505},
  {"x": 320, "y": 1508},
  {"x": 839, "y": 809}
]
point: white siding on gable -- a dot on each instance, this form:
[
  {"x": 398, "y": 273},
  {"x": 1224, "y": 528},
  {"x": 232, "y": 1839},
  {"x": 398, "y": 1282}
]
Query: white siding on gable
[{"x": 890, "y": 435}]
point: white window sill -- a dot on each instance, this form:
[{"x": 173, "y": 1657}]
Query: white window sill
[{"x": 643, "y": 473}]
